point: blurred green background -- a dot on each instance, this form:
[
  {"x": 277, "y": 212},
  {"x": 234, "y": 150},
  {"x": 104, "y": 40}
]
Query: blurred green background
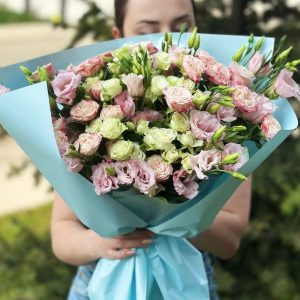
[{"x": 268, "y": 262}]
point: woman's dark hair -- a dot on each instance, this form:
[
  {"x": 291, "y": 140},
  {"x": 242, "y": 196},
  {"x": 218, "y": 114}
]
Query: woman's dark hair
[{"x": 120, "y": 12}]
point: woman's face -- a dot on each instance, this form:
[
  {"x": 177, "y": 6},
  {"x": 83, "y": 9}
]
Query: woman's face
[{"x": 152, "y": 16}]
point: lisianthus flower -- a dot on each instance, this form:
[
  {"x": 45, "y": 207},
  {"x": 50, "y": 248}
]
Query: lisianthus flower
[
  {"x": 270, "y": 127},
  {"x": 185, "y": 185},
  {"x": 88, "y": 143},
  {"x": 84, "y": 111},
  {"x": 161, "y": 169},
  {"x": 64, "y": 87},
  {"x": 232, "y": 148}
]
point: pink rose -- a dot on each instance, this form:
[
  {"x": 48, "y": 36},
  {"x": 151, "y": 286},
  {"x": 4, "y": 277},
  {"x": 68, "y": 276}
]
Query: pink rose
[
  {"x": 161, "y": 169},
  {"x": 264, "y": 107},
  {"x": 145, "y": 177},
  {"x": 206, "y": 58},
  {"x": 193, "y": 67},
  {"x": 185, "y": 185},
  {"x": 226, "y": 114},
  {"x": 256, "y": 63},
  {"x": 232, "y": 148},
  {"x": 270, "y": 127},
  {"x": 244, "y": 99},
  {"x": 176, "y": 55},
  {"x": 125, "y": 101},
  {"x": 89, "y": 67},
  {"x": 285, "y": 86},
  {"x": 126, "y": 173},
  {"x": 147, "y": 115},
  {"x": 218, "y": 74},
  {"x": 241, "y": 75},
  {"x": 74, "y": 164},
  {"x": 84, "y": 111},
  {"x": 179, "y": 98},
  {"x": 111, "y": 111},
  {"x": 204, "y": 125},
  {"x": 88, "y": 143},
  {"x": 204, "y": 162},
  {"x": 103, "y": 182},
  {"x": 135, "y": 84},
  {"x": 64, "y": 87},
  {"x": 3, "y": 89}
]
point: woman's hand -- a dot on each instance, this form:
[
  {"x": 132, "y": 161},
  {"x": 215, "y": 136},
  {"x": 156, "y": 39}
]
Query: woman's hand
[{"x": 120, "y": 247}]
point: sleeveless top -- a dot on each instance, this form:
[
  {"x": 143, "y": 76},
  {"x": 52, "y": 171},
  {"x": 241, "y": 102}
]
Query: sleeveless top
[{"x": 84, "y": 273}]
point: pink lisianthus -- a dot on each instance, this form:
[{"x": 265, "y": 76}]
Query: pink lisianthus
[
  {"x": 74, "y": 164},
  {"x": 60, "y": 124},
  {"x": 125, "y": 101},
  {"x": 226, "y": 114},
  {"x": 256, "y": 63},
  {"x": 244, "y": 99},
  {"x": 148, "y": 46},
  {"x": 185, "y": 185},
  {"x": 264, "y": 107},
  {"x": 204, "y": 162},
  {"x": 88, "y": 143},
  {"x": 3, "y": 89},
  {"x": 241, "y": 75},
  {"x": 270, "y": 127},
  {"x": 103, "y": 182},
  {"x": 176, "y": 54},
  {"x": 145, "y": 177},
  {"x": 84, "y": 111},
  {"x": 193, "y": 67},
  {"x": 204, "y": 125},
  {"x": 60, "y": 133},
  {"x": 147, "y": 115},
  {"x": 111, "y": 111},
  {"x": 161, "y": 169},
  {"x": 179, "y": 98},
  {"x": 206, "y": 58},
  {"x": 285, "y": 86},
  {"x": 264, "y": 70},
  {"x": 232, "y": 148},
  {"x": 89, "y": 67},
  {"x": 64, "y": 86},
  {"x": 135, "y": 84},
  {"x": 126, "y": 173},
  {"x": 49, "y": 70},
  {"x": 218, "y": 74}
]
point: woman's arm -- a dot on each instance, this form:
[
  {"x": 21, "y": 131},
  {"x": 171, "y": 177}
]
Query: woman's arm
[
  {"x": 75, "y": 244},
  {"x": 223, "y": 237}
]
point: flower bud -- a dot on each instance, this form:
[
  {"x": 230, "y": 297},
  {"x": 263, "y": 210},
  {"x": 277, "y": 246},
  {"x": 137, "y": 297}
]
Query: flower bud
[
  {"x": 239, "y": 54},
  {"x": 238, "y": 128},
  {"x": 230, "y": 159},
  {"x": 259, "y": 43},
  {"x": 110, "y": 171},
  {"x": 282, "y": 56},
  {"x": 197, "y": 43},
  {"x": 238, "y": 176},
  {"x": 218, "y": 134},
  {"x": 213, "y": 108},
  {"x": 187, "y": 164},
  {"x": 192, "y": 38}
]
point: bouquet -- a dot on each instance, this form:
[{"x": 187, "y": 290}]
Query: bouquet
[{"x": 147, "y": 130}]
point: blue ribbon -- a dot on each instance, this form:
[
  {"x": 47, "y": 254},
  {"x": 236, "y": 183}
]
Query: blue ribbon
[{"x": 170, "y": 269}]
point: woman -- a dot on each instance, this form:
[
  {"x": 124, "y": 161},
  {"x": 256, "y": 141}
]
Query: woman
[{"x": 77, "y": 245}]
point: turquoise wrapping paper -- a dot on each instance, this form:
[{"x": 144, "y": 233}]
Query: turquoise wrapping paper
[{"x": 171, "y": 266}]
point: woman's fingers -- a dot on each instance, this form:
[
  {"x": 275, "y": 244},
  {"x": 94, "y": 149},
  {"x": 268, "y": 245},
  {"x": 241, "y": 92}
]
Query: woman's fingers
[
  {"x": 138, "y": 234},
  {"x": 120, "y": 254},
  {"x": 130, "y": 243}
]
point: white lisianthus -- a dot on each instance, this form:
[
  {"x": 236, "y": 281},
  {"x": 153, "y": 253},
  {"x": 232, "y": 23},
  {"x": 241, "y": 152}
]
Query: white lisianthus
[
  {"x": 110, "y": 89},
  {"x": 112, "y": 128},
  {"x": 180, "y": 122},
  {"x": 171, "y": 156},
  {"x": 94, "y": 126},
  {"x": 137, "y": 152},
  {"x": 135, "y": 84},
  {"x": 162, "y": 61},
  {"x": 189, "y": 84},
  {"x": 175, "y": 81},
  {"x": 142, "y": 127},
  {"x": 186, "y": 139},
  {"x": 158, "y": 84},
  {"x": 120, "y": 150},
  {"x": 160, "y": 138}
]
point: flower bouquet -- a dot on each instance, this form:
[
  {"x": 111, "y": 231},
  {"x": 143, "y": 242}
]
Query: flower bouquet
[{"x": 152, "y": 138}]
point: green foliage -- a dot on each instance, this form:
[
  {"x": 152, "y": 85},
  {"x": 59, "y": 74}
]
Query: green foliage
[
  {"x": 9, "y": 16},
  {"x": 28, "y": 269}
]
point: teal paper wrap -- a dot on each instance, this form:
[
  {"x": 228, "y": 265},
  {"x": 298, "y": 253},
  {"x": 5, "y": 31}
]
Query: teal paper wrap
[{"x": 171, "y": 268}]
